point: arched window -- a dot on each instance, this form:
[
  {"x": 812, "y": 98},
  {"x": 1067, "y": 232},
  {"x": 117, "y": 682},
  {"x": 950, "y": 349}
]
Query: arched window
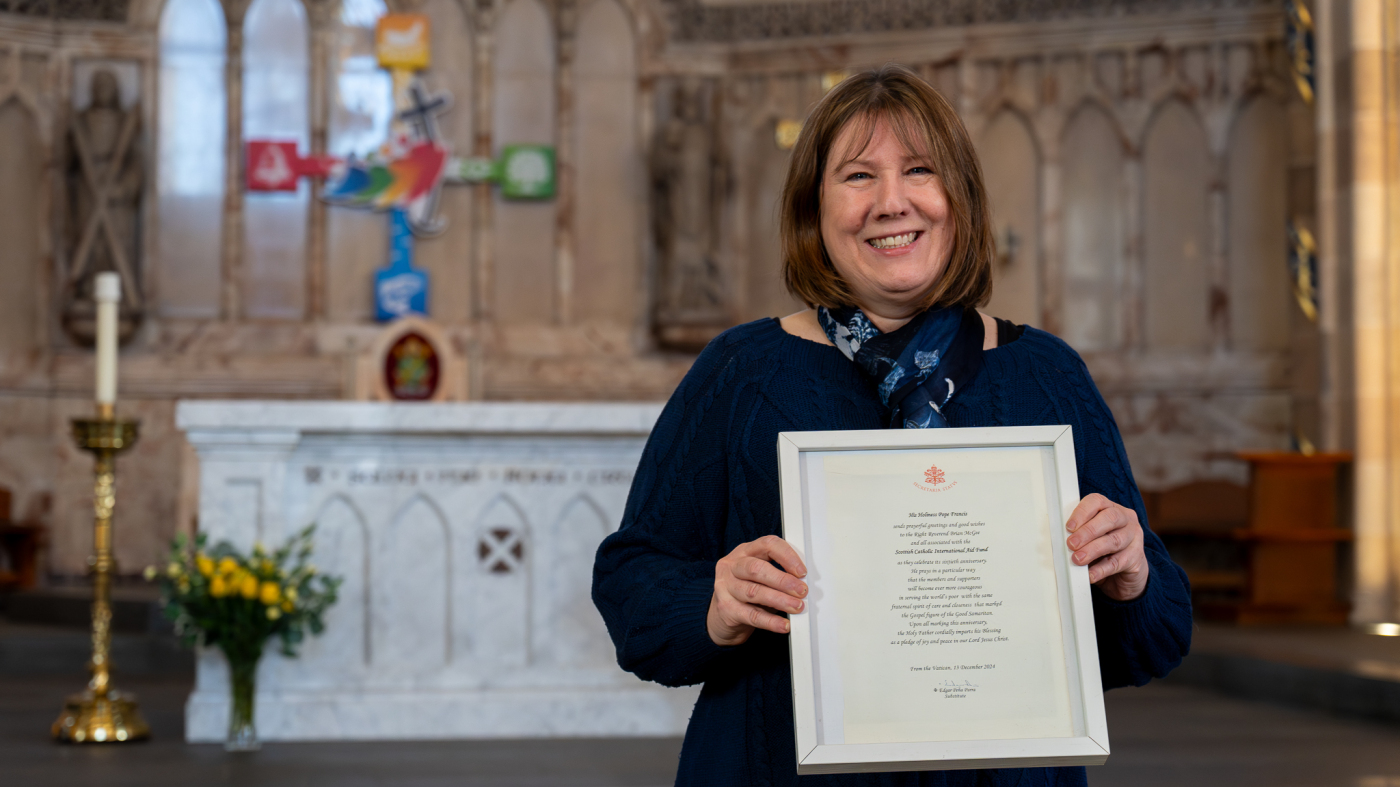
[
  {"x": 275, "y": 106},
  {"x": 362, "y": 106},
  {"x": 191, "y": 130},
  {"x": 362, "y": 94}
]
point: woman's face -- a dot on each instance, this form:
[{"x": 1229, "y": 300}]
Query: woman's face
[{"x": 885, "y": 223}]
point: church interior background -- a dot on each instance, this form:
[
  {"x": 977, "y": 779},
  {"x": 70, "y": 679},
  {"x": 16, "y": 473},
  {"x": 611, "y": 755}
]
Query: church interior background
[{"x": 1146, "y": 161}]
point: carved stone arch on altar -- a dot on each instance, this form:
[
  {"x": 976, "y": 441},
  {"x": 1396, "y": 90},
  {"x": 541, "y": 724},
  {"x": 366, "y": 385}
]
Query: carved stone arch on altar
[
  {"x": 23, "y": 158},
  {"x": 568, "y": 629},
  {"x": 342, "y": 542},
  {"x": 501, "y": 602},
  {"x": 411, "y": 595}
]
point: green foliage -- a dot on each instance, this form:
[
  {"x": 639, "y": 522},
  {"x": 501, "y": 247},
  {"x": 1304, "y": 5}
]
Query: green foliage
[{"x": 221, "y": 597}]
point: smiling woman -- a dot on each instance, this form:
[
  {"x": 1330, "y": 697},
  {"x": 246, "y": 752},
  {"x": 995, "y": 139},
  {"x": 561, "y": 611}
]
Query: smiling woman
[{"x": 886, "y": 236}]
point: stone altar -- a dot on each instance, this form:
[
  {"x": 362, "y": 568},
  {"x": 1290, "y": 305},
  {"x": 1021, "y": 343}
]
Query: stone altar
[{"x": 465, "y": 533}]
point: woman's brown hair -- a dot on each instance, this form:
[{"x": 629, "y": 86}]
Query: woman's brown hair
[{"x": 926, "y": 125}]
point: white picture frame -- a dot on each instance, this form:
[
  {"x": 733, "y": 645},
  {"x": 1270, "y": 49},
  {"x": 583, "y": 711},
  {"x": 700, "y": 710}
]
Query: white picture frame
[{"x": 821, "y": 748}]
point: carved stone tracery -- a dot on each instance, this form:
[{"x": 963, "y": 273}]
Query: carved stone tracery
[
  {"x": 74, "y": 10},
  {"x": 717, "y": 22}
]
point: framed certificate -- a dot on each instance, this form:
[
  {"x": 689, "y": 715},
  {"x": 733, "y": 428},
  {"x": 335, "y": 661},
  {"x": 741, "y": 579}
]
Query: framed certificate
[{"x": 946, "y": 626}]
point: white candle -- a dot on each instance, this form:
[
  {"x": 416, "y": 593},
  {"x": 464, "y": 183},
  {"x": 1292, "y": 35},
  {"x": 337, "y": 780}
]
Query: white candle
[{"x": 107, "y": 291}]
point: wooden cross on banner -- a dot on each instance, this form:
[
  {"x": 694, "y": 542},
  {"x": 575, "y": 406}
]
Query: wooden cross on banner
[{"x": 100, "y": 182}]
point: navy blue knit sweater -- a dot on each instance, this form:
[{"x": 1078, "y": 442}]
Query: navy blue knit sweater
[{"x": 708, "y": 481}]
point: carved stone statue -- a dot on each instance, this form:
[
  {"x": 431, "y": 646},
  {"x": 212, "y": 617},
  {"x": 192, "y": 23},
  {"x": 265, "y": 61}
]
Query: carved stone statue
[
  {"x": 105, "y": 179},
  {"x": 685, "y": 174}
]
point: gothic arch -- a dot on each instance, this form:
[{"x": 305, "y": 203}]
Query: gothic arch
[
  {"x": 276, "y": 104},
  {"x": 1178, "y": 170},
  {"x": 568, "y": 629},
  {"x": 1012, "y": 179},
  {"x": 343, "y": 548},
  {"x": 608, "y": 160},
  {"x": 190, "y": 156},
  {"x": 1090, "y": 103},
  {"x": 22, "y": 177},
  {"x": 500, "y": 609},
  {"x": 1093, "y": 155},
  {"x": 524, "y": 272},
  {"x": 412, "y": 590},
  {"x": 1172, "y": 99},
  {"x": 1256, "y": 226}
]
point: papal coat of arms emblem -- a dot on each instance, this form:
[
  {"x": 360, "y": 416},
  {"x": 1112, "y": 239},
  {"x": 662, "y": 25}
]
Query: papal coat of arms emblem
[{"x": 933, "y": 475}]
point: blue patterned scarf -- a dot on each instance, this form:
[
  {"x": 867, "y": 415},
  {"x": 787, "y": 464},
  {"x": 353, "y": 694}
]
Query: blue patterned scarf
[{"x": 918, "y": 367}]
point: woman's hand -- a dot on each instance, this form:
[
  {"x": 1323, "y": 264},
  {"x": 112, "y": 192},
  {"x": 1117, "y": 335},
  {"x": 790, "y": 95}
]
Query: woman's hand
[
  {"x": 1107, "y": 538},
  {"x": 749, "y": 590}
]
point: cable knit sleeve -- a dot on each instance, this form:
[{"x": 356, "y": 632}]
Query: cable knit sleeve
[
  {"x": 653, "y": 578},
  {"x": 1147, "y": 637}
]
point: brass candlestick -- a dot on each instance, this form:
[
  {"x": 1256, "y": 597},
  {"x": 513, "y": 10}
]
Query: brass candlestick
[{"x": 102, "y": 714}]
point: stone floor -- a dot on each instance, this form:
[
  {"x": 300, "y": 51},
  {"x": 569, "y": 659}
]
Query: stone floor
[{"x": 1161, "y": 735}]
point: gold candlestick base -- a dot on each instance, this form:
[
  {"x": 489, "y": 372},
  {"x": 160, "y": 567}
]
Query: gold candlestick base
[
  {"x": 90, "y": 718},
  {"x": 102, "y": 714}
]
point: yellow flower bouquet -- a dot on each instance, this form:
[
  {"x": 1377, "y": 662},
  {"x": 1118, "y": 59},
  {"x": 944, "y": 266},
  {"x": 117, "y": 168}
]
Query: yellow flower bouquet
[{"x": 223, "y": 598}]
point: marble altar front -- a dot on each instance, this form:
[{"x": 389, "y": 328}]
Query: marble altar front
[{"x": 465, "y": 533}]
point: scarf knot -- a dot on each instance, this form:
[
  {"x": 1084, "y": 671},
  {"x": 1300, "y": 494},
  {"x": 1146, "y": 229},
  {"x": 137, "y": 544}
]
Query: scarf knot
[{"x": 918, "y": 367}]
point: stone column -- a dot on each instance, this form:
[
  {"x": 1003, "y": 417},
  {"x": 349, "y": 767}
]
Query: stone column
[
  {"x": 321, "y": 15},
  {"x": 231, "y": 247},
  {"x": 1364, "y": 130},
  {"x": 566, "y": 27},
  {"x": 483, "y": 119}
]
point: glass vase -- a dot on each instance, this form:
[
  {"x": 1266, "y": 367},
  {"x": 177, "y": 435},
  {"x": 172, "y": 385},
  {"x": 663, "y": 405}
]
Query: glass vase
[{"x": 243, "y": 681}]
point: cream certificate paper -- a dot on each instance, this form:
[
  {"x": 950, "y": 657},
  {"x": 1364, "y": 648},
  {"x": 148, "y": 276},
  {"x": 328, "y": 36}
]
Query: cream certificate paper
[{"x": 943, "y": 609}]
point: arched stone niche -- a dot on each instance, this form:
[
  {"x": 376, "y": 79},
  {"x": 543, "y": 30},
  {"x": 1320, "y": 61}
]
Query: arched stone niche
[
  {"x": 1257, "y": 208},
  {"x": 1176, "y": 231},
  {"x": 1010, "y": 169},
  {"x": 22, "y": 162},
  {"x": 191, "y": 129},
  {"x": 276, "y": 65},
  {"x": 1093, "y": 232},
  {"x": 523, "y": 272},
  {"x": 608, "y": 186}
]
